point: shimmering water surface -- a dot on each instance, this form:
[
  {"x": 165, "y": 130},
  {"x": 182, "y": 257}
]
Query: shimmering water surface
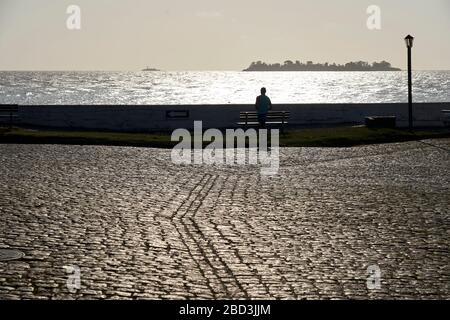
[{"x": 219, "y": 87}]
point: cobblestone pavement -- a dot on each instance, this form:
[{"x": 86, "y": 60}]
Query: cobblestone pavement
[{"x": 139, "y": 226}]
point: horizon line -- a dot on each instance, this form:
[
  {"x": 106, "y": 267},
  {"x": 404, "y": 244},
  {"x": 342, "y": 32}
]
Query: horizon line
[{"x": 191, "y": 70}]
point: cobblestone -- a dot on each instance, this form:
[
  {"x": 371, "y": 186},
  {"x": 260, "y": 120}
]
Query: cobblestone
[{"x": 140, "y": 227}]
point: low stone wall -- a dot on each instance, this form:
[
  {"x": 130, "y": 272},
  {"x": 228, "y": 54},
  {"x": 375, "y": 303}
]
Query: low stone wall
[{"x": 165, "y": 118}]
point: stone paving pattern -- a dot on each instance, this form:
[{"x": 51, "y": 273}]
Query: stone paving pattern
[{"x": 140, "y": 227}]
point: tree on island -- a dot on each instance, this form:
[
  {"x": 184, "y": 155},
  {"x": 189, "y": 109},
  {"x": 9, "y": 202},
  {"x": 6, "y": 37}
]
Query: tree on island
[{"x": 289, "y": 65}]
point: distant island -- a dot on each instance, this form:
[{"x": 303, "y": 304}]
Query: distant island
[{"x": 311, "y": 66}]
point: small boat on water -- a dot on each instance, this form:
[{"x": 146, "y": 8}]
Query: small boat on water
[{"x": 150, "y": 69}]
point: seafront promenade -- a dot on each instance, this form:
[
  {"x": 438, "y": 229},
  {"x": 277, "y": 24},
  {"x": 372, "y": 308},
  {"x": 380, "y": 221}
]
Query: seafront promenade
[
  {"x": 145, "y": 118},
  {"x": 138, "y": 226}
]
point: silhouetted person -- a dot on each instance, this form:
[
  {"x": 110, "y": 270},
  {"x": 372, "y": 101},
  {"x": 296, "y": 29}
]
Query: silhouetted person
[{"x": 263, "y": 105}]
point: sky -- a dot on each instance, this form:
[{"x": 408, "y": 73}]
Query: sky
[{"x": 219, "y": 34}]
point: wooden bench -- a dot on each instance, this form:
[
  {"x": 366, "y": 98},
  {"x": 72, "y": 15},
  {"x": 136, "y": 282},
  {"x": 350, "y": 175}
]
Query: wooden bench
[
  {"x": 250, "y": 118},
  {"x": 9, "y": 111}
]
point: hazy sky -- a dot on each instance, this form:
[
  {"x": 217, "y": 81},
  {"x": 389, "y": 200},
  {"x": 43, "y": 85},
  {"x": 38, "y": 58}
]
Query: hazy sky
[{"x": 218, "y": 34}]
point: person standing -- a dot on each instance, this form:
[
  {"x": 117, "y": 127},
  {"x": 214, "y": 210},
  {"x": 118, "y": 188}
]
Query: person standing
[{"x": 263, "y": 105}]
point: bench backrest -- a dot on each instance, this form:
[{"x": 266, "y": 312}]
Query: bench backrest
[{"x": 270, "y": 114}]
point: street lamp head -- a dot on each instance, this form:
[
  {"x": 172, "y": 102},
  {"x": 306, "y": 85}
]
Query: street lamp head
[{"x": 409, "y": 41}]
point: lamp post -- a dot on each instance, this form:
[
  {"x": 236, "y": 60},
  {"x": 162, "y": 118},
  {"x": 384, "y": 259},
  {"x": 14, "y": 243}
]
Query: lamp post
[{"x": 409, "y": 44}]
